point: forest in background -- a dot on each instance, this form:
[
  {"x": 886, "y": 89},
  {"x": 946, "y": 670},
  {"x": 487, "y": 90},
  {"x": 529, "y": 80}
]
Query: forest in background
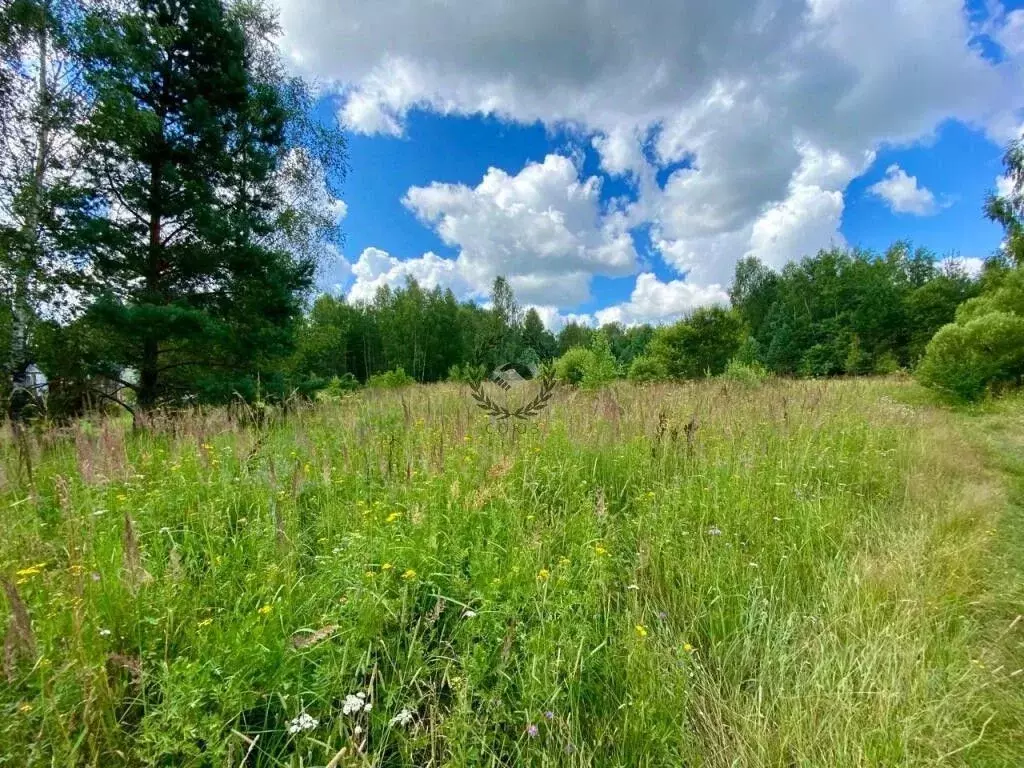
[{"x": 167, "y": 195}]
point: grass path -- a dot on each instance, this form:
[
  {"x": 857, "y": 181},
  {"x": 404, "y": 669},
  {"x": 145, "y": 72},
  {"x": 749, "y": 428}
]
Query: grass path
[{"x": 998, "y": 431}]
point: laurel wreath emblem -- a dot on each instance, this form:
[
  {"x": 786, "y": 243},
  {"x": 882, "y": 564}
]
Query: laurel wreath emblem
[{"x": 525, "y": 411}]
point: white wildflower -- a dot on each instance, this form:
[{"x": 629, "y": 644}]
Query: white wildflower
[
  {"x": 355, "y": 703},
  {"x": 105, "y": 633},
  {"x": 466, "y": 614},
  {"x": 714, "y": 530},
  {"x": 358, "y": 730},
  {"x": 403, "y": 718},
  {"x": 303, "y": 722}
]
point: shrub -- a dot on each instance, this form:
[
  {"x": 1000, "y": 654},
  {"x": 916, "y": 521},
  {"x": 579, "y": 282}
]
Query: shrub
[
  {"x": 390, "y": 379},
  {"x": 745, "y": 373},
  {"x": 966, "y": 360},
  {"x": 339, "y": 386},
  {"x": 601, "y": 368},
  {"x": 703, "y": 343},
  {"x": 467, "y": 373},
  {"x": 646, "y": 368},
  {"x": 571, "y": 367},
  {"x": 887, "y": 364}
]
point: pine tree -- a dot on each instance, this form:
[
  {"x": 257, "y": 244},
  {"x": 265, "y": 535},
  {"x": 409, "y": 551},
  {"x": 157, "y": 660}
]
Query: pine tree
[{"x": 182, "y": 156}]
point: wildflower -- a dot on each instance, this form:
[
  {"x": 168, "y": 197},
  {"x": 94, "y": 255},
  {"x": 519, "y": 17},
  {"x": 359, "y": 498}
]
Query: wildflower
[
  {"x": 25, "y": 708},
  {"x": 205, "y": 623},
  {"x": 409, "y": 574},
  {"x": 358, "y": 730},
  {"x": 302, "y": 723},
  {"x": 662, "y": 615},
  {"x": 469, "y": 614},
  {"x": 105, "y": 633},
  {"x": 641, "y": 631},
  {"x": 386, "y": 567},
  {"x": 403, "y": 718},
  {"x": 543, "y": 574},
  {"x": 600, "y": 551},
  {"x": 32, "y": 570},
  {"x": 355, "y": 703},
  {"x": 393, "y": 516},
  {"x": 714, "y": 530},
  {"x": 532, "y": 731},
  {"x": 564, "y": 561},
  {"x": 688, "y": 648},
  {"x": 265, "y": 609},
  {"x": 370, "y": 575},
  {"x": 549, "y": 715}
]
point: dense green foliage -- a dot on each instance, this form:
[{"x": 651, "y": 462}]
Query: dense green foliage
[{"x": 847, "y": 312}]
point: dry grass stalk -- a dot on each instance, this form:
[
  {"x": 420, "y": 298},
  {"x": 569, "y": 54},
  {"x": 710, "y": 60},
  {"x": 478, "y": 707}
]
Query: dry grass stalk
[
  {"x": 20, "y": 641},
  {"x": 312, "y": 638},
  {"x": 135, "y": 572}
]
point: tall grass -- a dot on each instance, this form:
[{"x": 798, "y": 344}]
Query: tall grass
[{"x": 703, "y": 575}]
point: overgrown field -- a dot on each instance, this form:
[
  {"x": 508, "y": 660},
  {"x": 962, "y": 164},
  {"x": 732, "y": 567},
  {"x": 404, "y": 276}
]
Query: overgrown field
[{"x": 795, "y": 574}]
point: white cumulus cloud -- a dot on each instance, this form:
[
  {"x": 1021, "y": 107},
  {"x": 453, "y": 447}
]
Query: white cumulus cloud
[
  {"x": 542, "y": 228},
  {"x": 903, "y": 193},
  {"x": 376, "y": 268},
  {"x": 655, "y": 302}
]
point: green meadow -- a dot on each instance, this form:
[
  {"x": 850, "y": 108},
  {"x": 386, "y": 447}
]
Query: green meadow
[{"x": 814, "y": 573}]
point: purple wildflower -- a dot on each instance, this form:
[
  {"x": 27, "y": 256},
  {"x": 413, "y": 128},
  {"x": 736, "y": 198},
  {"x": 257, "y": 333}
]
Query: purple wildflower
[
  {"x": 549, "y": 715},
  {"x": 532, "y": 731},
  {"x": 662, "y": 615}
]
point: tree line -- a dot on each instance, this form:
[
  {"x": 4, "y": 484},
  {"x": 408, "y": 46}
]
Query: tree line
[{"x": 838, "y": 312}]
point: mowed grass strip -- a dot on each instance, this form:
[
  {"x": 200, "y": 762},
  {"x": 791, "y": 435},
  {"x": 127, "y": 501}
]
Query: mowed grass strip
[{"x": 791, "y": 574}]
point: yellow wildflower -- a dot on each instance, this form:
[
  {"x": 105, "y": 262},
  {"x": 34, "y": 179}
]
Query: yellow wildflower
[
  {"x": 641, "y": 631},
  {"x": 409, "y": 575},
  {"x": 688, "y": 648},
  {"x": 266, "y": 609},
  {"x": 600, "y": 551},
  {"x": 544, "y": 574},
  {"x": 394, "y": 516},
  {"x": 370, "y": 574},
  {"x": 32, "y": 570},
  {"x": 386, "y": 567},
  {"x": 25, "y": 708}
]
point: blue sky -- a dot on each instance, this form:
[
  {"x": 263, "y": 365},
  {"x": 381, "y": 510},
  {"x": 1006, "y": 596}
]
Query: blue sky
[{"x": 620, "y": 181}]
